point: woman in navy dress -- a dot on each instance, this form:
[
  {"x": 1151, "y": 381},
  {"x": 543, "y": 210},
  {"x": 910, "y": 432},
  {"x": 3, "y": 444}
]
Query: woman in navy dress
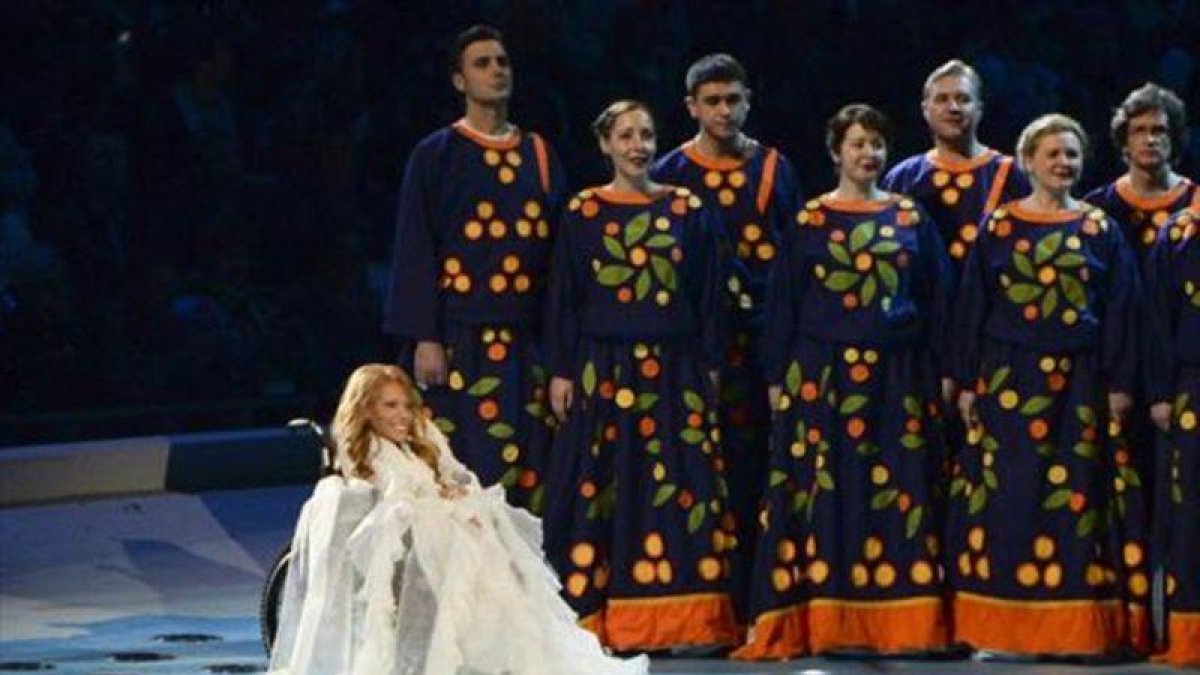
[
  {"x": 636, "y": 522},
  {"x": 849, "y": 543},
  {"x": 1047, "y": 554}
]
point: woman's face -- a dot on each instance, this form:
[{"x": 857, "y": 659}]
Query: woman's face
[
  {"x": 862, "y": 155},
  {"x": 390, "y": 414},
  {"x": 631, "y": 144},
  {"x": 1056, "y": 162}
]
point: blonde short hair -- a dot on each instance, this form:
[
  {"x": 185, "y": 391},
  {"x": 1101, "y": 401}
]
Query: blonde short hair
[{"x": 1052, "y": 123}]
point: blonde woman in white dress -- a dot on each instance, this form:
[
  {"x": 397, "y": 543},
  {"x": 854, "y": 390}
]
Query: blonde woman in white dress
[{"x": 404, "y": 564}]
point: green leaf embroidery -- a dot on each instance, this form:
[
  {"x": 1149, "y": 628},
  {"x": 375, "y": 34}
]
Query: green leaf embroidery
[
  {"x": 500, "y": 430},
  {"x": 484, "y": 386},
  {"x": 868, "y": 290},
  {"x": 1056, "y": 499},
  {"x": 645, "y": 401},
  {"x": 998, "y": 379},
  {"x": 663, "y": 494},
  {"x": 1070, "y": 260},
  {"x": 885, "y": 247},
  {"x": 614, "y": 248},
  {"x": 589, "y": 378},
  {"x": 1046, "y": 248},
  {"x": 692, "y": 436},
  {"x": 887, "y": 274},
  {"x": 1087, "y": 523},
  {"x": 664, "y": 270},
  {"x": 825, "y": 480},
  {"x": 778, "y": 477},
  {"x": 860, "y": 235},
  {"x": 1035, "y": 405},
  {"x": 693, "y": 401},
  {"x": 1085, "y": 450},
  {"x": 793, "y": 378},
  {"x": 696, "y": 517},
  {"x": 1086, "y": 415},
  {"x": 979, "y": 499},
  {"x": 636, "y": 229},
  {"x": 839, "y": 253},
  {"x": 1021, "y": 262},
  {"x": 660, "y": 241},
  {"x": 884, "y": 498},
  {"x": 613, "y": 275},
  {"x": 1073, "y": 290},
  {"x": 841, "y": 280},
  {"x": 1049, "y": 302},
  {"x": 642, "y": 287},
  {"x": 852, "y": 404},
  {"x": 914, "y": 522},
  {"x": 1023, "y": 293}
]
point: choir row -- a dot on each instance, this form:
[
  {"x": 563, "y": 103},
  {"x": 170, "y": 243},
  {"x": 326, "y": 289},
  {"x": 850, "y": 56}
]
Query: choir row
[{"x": 941, "y": 403}]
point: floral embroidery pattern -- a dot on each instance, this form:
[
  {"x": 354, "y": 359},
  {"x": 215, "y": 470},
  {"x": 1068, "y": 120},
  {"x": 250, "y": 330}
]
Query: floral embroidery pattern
[
  {"x": 867, "y": 261},
  {"x": 641, "y": 258},
  {"x": 1048, "y": 275}
]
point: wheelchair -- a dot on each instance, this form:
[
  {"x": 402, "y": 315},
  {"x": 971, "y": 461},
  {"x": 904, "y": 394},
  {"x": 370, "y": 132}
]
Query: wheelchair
[{"x": 272, "y": 593}]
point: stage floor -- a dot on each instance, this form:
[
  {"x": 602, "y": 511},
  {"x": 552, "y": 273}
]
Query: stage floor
[{"x": 170, "y": 583}]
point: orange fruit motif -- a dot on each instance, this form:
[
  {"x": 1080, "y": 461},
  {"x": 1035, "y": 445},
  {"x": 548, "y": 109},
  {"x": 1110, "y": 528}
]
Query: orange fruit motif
[
  {"x": 1038, "y": 429},
  {"x": 612, "y": 229},
  {"x": 650, "y": 368},
  {"x": 809, "y": 391},
  {"x": 528, "y": 479},
  {"x": 637, "y": 256},
  {"x": 497, "y": 351},
  {"x": 862, "y": 262},
  {"x": 859, "y": 373},
  {"x": 488, "y": 409},
  {"x": 625, "y": 294},
  {"x": 589, "y": 209},
  {"x": 1078, "y": 502},
  {"x": 679, "y": 206},
  {"x": 646, "y": 426},
  {"x": 855, "y": 427}
]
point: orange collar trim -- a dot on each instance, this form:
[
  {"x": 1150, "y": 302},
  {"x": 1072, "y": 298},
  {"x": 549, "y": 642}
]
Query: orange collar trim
[
  {"x": 959, "y": 166},
  {"x": 712, "y": 163},
  {"x": 857, "y": 205},
  {"x": 1045, "y": 217},
  {"x": 509, "y": 141},
  {"x": 1125, "y": 189},
  {"x": 631, "y": 198}
]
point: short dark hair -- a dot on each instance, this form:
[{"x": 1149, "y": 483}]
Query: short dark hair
[
  {"x": 714, "y": 68},
  {"x": 478, "y": 33},
  {"x": 856, "y": 113},
  {"x": 603, "y": 124},
  {"x": 1147, "y": 98}
]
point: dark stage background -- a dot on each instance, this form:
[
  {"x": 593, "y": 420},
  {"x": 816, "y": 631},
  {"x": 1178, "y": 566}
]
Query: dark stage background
[{"x": 196, "y": 198}]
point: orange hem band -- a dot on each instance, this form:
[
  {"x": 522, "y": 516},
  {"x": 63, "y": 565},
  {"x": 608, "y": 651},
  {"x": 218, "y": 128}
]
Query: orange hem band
[
  {"x": 628, "y": 624},
  {"x": 776, "y": 635},
  {"x": 1040, "y": 627},
  {"x": 1183, "y": 640}
]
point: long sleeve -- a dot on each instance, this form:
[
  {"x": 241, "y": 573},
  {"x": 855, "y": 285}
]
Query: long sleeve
[
  {"x": 707, "y": 269},
  {"x": 971, "y": 309},
  {"x": 936, "y": 289},
  {"x": 560, "y": 327},
  {"x": 1119, "y": 327},
  {"x": 786, "y": 285},
  {"x": 411, "y": 309},
  {"x": 1161, "y": 309}
]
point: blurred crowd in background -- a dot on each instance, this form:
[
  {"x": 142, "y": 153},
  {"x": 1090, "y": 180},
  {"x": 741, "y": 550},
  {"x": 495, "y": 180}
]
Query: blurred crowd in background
[{"x": 197, "y": 199}]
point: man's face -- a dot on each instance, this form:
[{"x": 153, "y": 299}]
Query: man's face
[
  {"x": 952, "y": 108},
  {"x": 1148, "y": 140},
  {"x": 484, "y": 73},
  {"x": 720, "y": 108}
]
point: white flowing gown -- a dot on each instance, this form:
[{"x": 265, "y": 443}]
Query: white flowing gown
[{"x": 390, "y": 578}]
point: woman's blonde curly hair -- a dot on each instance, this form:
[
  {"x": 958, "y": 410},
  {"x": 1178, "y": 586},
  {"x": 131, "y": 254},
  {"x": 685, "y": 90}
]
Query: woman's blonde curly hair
[{"x": 352, "y": 424}]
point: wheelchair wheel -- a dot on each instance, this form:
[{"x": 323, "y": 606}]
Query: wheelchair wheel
[{"x": 272, "y": 597}]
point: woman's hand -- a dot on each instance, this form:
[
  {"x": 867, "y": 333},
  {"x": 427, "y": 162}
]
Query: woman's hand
[
  {"x": 714, "y": 379},
  {"x": 429, "y": 363},
  {"x": 1119, "y": 405},
  {"x": 1160, "y": 413},
  {"x": 773, "y": 393},
  {"x": 562, "y": 394},
  {"x": 452, "y": 491},
  {"x": 966, "y": 407},
  {"x": 949, "y": 391}
]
